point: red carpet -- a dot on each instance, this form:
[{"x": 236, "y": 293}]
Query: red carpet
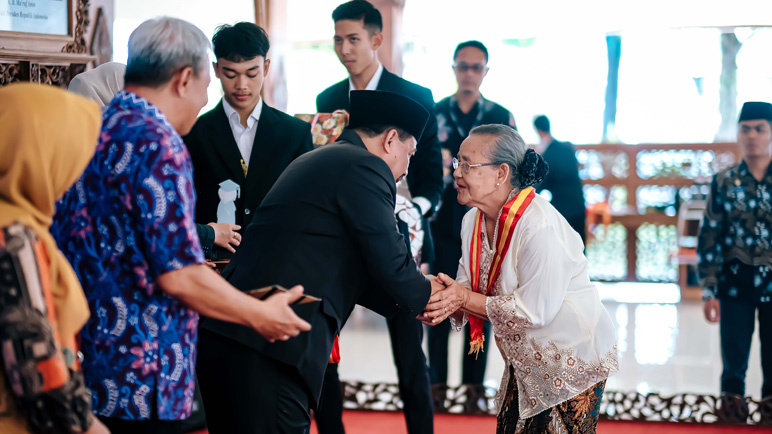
[
  {"x": 376, "y": 422},
  {"x": 364, "y": 422}
]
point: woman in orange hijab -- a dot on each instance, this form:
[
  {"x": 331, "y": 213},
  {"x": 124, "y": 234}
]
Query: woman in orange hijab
[{"x": 48, "y": 137}]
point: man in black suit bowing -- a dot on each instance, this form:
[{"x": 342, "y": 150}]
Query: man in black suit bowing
[
  {"x": 358, "y": 35},
  {"x": 327, "y": 224},
  {"x": 242, "y": 139}
]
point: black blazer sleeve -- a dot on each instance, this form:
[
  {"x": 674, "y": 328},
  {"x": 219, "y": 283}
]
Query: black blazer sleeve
[
  {"x": 306, "y": 144},
  {"x": 424, "y": 176},
  {"x": 366, "y": 201},
  {"x": 206, "y": 235},
  {"x": 320, "y": 103},
  {"x": 194, "y": 143},
  {"x": 562, "y": 165},
  {"x": 333, "y": 98}
]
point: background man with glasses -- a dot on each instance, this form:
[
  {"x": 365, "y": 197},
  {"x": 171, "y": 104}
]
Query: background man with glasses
[{"x": 456, "y": 116}]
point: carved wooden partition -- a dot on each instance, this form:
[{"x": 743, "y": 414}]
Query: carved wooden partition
[
  {"x": 637, "y": 190},
  {"x": 55, "y": 59},
  {"x": 478, "y": 400}
]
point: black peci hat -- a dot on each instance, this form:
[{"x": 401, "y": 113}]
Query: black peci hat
[
  {"x": 376, "y": 107},
  {"x": 755, "y": 110}
]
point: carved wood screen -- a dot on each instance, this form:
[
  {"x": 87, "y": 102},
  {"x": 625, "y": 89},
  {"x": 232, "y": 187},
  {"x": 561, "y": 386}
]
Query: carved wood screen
[
  {"x": 638, "y": 188},
  {"x": 50, "y": 59}
]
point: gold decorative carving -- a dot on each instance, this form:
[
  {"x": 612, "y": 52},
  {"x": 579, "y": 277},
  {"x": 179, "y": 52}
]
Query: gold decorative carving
[
  {"x": 78, "y": 44},
  {"x": 101, "y": 46},
  {"x": 9, "y": 73},
  {"x": 55, "y": 75}
]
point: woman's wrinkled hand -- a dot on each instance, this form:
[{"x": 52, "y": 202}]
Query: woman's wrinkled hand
[{"x": 445, "y": 302}]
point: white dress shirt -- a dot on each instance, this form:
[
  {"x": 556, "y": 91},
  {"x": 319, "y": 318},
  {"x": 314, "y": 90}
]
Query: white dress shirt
[
  {"x": 245, "y": 137},
  {"x": 372, "y": 84}
]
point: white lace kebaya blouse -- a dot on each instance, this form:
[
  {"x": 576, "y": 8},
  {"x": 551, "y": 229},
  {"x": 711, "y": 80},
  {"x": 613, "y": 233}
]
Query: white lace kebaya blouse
[{"x": 547, "y": 318}]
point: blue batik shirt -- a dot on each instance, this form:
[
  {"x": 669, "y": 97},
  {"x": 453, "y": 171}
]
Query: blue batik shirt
[{"x": 126, "y": 221}]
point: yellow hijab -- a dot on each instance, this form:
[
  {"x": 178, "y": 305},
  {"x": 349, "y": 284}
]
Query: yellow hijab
[{"x": 47, "y": 137}]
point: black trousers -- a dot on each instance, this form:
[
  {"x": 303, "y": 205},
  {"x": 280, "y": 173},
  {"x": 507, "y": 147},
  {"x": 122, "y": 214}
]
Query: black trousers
[
  {"x": 245, "y": 392},
  {"x": 738, "y": 321},
  {"x": 414, "y": 388},
  {"x": 406, "y": 335},
  {"x": 473, "y": 370},
  {"x": 153, "y": 426},
  {"x": 329, "y": 414}
]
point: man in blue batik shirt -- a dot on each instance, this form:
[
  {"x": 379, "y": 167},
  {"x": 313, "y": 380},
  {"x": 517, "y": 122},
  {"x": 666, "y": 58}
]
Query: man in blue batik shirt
[{"x": 127, "y": 228}]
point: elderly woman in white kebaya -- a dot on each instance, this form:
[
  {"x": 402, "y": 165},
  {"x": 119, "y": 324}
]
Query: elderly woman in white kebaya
[{"x": 523, "y": 269}]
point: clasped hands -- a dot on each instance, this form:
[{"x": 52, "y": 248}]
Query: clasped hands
[{"x": 447, "y": 297}]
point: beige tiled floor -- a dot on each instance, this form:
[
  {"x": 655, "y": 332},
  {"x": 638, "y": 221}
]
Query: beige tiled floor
[{"x": 664, "y": 348}]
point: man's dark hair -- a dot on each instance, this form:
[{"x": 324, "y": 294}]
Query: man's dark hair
[
  {"x": 378, "y": 129},
  {"x": 240, "y": 42},
  {"x": 360, "y": 10},
  {"x": 542, "y": 123},
  {"x": 476, "y": 44}
]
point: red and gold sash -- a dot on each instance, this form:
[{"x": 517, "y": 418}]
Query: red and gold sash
[{"x": 510, "y": 215}]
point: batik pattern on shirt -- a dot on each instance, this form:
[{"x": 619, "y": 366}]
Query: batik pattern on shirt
[
  {"x": 734, "y": 247},
  {"x": 126, "y": 221}
]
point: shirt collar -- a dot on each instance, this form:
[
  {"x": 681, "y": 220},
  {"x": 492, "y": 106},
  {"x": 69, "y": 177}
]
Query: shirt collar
[
  {"x": 745, "y": 172},
  {"x": 373, "y": 84},
  {"x": 130, "y": 99},
  {"x": 544, "y": 143},
  {"x": 352, "y": 137},
  {"x": 478, "y": 103},
  {"x": 234, "y": 117}
]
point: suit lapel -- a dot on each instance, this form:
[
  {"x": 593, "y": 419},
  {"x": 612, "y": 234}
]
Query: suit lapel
[
  {"x": 387, "y": 81},
  {"x": 225, "y": 145},
  {"x": 341, "y": 96},
  {"x": 262, "y": 149}
]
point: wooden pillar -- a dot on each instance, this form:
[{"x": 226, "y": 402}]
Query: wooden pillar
[
  {"x": 632, "y": 182},
  {"x": 271, "y": 15},
  {"x": 390, "y": 53},
  {"x": 261, "y": 13}
]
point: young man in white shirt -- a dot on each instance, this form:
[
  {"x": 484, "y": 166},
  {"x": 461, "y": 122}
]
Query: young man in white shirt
[{"x": 242, "y": 139}]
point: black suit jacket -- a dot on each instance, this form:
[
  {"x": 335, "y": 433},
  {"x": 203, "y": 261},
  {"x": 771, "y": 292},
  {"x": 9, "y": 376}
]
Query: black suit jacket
[
  {"x": 327, "y": 224},
  {"x": 279, "y": 139},
  {"x": 425, "y": 175},
  {"x": 564, "y": 183}
]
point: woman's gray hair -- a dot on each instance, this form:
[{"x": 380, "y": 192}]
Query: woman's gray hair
[
  {"x": 508, "y": 148},
  {"x": 161, "y": 47}
]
